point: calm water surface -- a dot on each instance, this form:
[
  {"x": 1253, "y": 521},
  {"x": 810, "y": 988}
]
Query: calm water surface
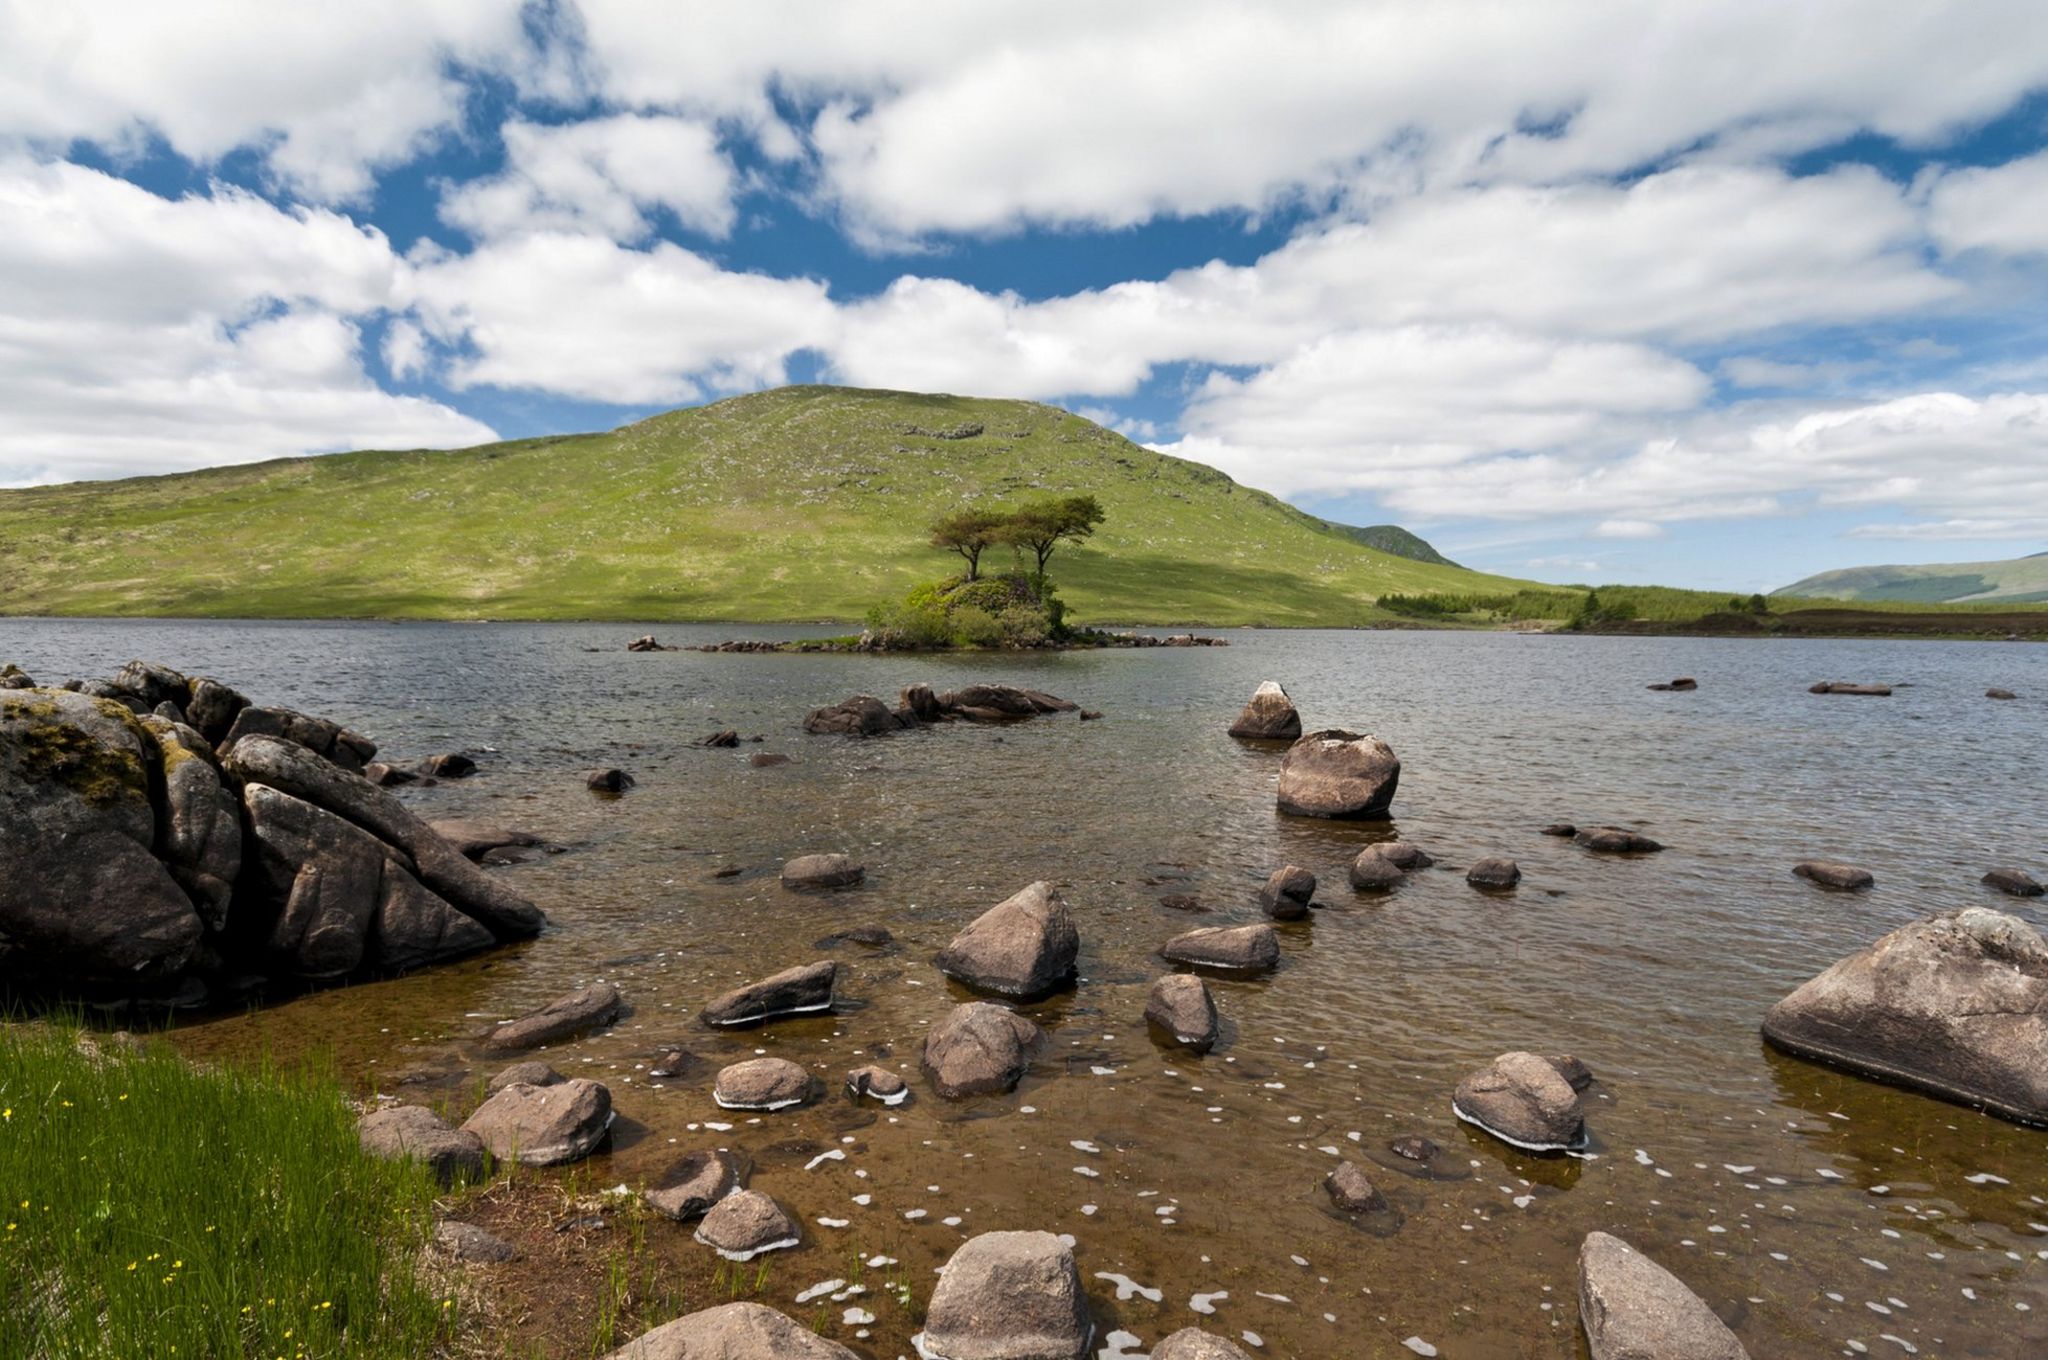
[{"x": 1819, "y": 1213}]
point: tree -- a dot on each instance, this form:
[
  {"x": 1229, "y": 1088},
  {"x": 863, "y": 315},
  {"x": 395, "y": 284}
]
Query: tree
[
  {"x": 1045, "y": 524},
  {"x": 970, "y": 533}
]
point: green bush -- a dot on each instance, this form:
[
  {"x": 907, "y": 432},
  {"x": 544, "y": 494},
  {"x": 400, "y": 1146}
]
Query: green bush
[{"x": 994, "y": 611}]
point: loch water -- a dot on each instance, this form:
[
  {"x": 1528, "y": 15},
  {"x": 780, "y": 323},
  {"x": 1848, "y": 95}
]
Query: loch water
[{"x": 1818, "y": 1212}]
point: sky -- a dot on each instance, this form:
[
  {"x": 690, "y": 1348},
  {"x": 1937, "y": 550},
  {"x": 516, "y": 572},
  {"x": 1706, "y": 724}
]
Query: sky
[{"x": 1713, "y": 294}]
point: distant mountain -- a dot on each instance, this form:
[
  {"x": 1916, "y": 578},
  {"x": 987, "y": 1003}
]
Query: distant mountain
[
  {"x": 1392, "y": 538},
  {"x": 2018, "y": 581}
]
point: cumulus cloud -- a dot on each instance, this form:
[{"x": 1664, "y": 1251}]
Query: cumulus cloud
[
  {"x": 601, "y": 175},
  {"x": 2001, "y": 208}
]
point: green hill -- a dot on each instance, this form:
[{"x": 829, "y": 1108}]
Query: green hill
[
  {"x": 1392, "y": 538},
  {"x": 2019, "y": 581},
  {"x": 796, "y": 504}
]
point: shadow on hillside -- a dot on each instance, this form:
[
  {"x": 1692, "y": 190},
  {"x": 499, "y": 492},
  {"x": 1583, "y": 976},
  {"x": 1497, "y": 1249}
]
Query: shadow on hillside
[{"x": 1163, "y": 589}]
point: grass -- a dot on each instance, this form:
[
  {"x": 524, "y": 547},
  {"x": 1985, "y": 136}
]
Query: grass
[
  {"x": 799, "y": 504},
  {"x": 2021, "y": 580},
  {"x": 154, "y": 1208}
]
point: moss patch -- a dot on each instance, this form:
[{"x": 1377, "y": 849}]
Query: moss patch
[{"x": 44, "y": 748}]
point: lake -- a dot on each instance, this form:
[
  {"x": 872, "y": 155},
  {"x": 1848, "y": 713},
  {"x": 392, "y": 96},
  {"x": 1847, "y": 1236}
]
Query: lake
[{"x": 1817, "y": 1212}]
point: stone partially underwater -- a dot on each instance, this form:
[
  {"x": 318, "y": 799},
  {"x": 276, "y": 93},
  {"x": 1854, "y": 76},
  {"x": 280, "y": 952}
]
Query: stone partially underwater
[{"x": 167, "y": 841}]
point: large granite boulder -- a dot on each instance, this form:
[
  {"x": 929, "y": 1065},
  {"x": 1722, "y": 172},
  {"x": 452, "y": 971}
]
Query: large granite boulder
[
  {"x": 586, "y": 1008},
  {"x": 732, "y": 1331},
  {"x": 1241, "y": 949},
  {"x": 154, "y": 684},
  {"x": 200, "y": 823},
  {"x": 1008, "y": 1296},
  {"x": 1334, "y": 773},
  {"x": 293, "y": 769},
  {"x": 416, "y": 1132},
  {"x": 1523, "y": 1100},
  {"x": 544, "y": 1125},
  {"x": 213, "y": 708},
  {"x": 793, "y": 991},
  {"x": 1180, "y": 1007},
  {"x": 762, "y": 1084},
  {"x": 83, "y": 900},
  {"x": 329, "y": 740},
  {"x": 1269, "y": 716},
  {"x": 1955, "y": 1004},
  {"x": 1634, "y": 1309},
  {"x": 1022, "y": 947},
  {"x": 689, "y": 1188},
  {"x": 861, "y": 716},
  {"x": 979, "y": 1048},
  {"x": 747, "y": 1223}
]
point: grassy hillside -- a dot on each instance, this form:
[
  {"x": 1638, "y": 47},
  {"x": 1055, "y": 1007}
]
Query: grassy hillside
[
  {"x": 796, "y": 504},
  {"x": 2019, "y": 581},
  {"x": 1392, "y": 538}
]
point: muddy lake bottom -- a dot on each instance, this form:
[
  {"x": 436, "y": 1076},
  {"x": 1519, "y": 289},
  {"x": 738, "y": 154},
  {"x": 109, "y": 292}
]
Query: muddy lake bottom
[{"x": 1817, "y": 1212}]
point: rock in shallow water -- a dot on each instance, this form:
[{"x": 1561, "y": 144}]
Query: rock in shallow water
[
  {"x": 1373, "y": 871},
  {"x": 762, "y": 1084},
  {"x": 1495, "y": 873},
  {"x": 1615, "y": 840},
  {"x": 402, "y": 1131},
  {"x": 745, "y": 1224},
  {"x": 1181, "y": 1008},
  {"x": 1956, "y": 1005},
  {"x": 1243, "y": 949},
  {"x": 544, "y": 1125},
  {"x": 1008, "y": 1296},
  {"x": 2017, "y": 882},
  {"x": 1192, "y": 1343},
  {"x": 586, "y": 1008},
  {"x": 1840, "y": 877},
  {"x": 1524, "y": 1100},
  {"x": 690, "y": 1187},
  {"x": 1269, "y": 716},
  {"x": 803, "y": 989},
  {"x": 1634, "y": 1309},
  {"x": 1022, "y": 947},
  {"x": 533, "y": 1072},
  {"x": 822, "y": 871},
  {"x": 732, "y": 1331},
  {"x": 1334, "y": 773},
  {"x": 878, "y": 1083},
  {"x": 1287, "y": 893},
  {"x": 978, "y": 1049},
  {"x": 1352, "y": 1191}
]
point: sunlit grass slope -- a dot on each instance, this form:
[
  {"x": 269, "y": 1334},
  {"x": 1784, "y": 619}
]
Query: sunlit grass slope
[{"x": 796, "y": 504}]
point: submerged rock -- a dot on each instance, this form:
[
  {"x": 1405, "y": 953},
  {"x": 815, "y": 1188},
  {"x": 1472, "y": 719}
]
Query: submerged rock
[
  {"x": 978, "y": 1049},
  {"x": 533, "y": 1072},
  {"x": 1269, "y": 716},
  {"x": 793, "y": 991},
  {"x": 1413, "y": 1147},
  {"x": 2000, "y": 694},
  {"x": 768, "y": 760},
  {"x": 474, "y": 838},
  {"x": 746, "y": 1224},
  {"x": 861, "y": 716},
  {"x": 823, "y": 871},
  {"x": 1844, "y": 687},
  {"x": 1956, "y": 1005},
  {"x": 1495, "y": 873},
  {"x": 1352, "y": 1191},
  {"x": 2017, "y": 882},
  {"x": 878, "y": 1083},
  {"x": 586, "y": 1008},
  {"x": 1634, "y": 1309},
  {"x": 1374, "y": 871},
  {"x": 452, "y": 765},
  {"x": 1237, "y": 948},
  {"x": 1180, "y": 1006},
  {"x": 1022, "y": 947},
  {"x": 544, "y": 1125},
  {"x": 388, "y": 776},
  {"x": 1576, "y": 1074},
  {"x": 1615, "y": 840},
  {"x": 1192, "y": 1343},
  {"x": 1008, "y": 1296},
  {"x": 724, "y": 737},
  {"x": 1828, "y": 874},
  {"x": 762, "y": 1084},
  {"x": 1287, "y": 893},
  {"x": 1522, "y": 1099},
  {"x": 732, "y": 1331},
  {"x": 608, "y": 780},
  {"x": 1334, "y": 773},
  {"x": 690, "y": 1187},
  {"x": 413, "y": 1131}
]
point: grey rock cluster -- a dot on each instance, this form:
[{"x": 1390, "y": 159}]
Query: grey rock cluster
[{"x": 863, "y": 715}]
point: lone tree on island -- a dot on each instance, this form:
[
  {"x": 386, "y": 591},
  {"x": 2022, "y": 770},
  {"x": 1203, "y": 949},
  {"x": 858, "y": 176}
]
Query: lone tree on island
[
  {"x": 970, "y": 533},
  {"x": 1045, "y": 524}
]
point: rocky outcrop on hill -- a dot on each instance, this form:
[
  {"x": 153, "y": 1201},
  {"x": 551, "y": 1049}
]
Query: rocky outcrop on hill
[{"x": 165, "y": 837}]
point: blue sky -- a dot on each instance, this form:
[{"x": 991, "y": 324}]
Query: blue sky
[{"x": 1693, "y": 293}]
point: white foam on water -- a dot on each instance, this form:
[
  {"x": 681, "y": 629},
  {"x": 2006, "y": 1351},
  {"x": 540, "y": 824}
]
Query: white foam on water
[
  {"x": 1121, "y": 1346},
  {"x": 1088, "y": 1209},
  {"x": 1277, "y": 1298},
  {"x": 829, "y": 1155},
  {"x": 863, "y": 1200},
  {"x": 1128, "y": 1288},
  {"x": 819, "y": 1290},
  {"x": 835, "y": 1222},
  {"x": 1087, "y": 1171},
  {"x": 1252, "y": 1338},
  {"x": 1420, "y": 1347},
  {"x": 1986, "y": 1178},
  {"x": 1083, "y": 1145},
  {"x": 1205, "y": 1304},
  {"x": 856, "y": 1317}
]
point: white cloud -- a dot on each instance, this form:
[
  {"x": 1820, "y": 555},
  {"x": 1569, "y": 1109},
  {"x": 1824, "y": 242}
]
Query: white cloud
[
  {"x": 602, "y": 175},
  {"x": 142, "y": 334},
  {"x": 585, "y": 317},
  {"x": 2002, "y": 208},
  {"x": 1628, "y": 528}
]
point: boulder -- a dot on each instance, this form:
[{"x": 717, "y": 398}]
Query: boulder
[
  {"x": 607, "y": 780},
  {"x": 1352, "y": 1191},
  {"x": 1287, "y": 893},
  {"x": 1576, "y": 1074},
  {"x": 414, "y": 927},
  {"x": 154, "y": 684},
  {"x": 732, "y": 1331},
  {"x": 762, "y": 1084},
  {"x": 2017, "y": 882},
  {"x": 1614, "y": 840},
  {"x": 919, "y": 701},
  {"x": 199, "y": 821},
  {"x": 467, "y": 1242},
  {"x": 533, "y": 1072},
  {"x": 878, "y": 1083},
  {"x": 793, "y": 991},
  {"x": 213, "y": 708},
  {"x": 329, "y": 740},
  {"x": 1247, "y": 949},
  {"x": 823, "y": 871},
  {"x": 586, "y": 1008},
  {"x": 1180, "y": 1007},
  {"x": 101, "y": 689},
  {"x": 1495, "y": 873},
  {"x": 415, "y": 1132},
  {"x": 474, "y": 838},
  {"x": 979, "y": 1048},
  {"x": 292, "y": 769},
  {"x": 453, "y": 765},
  {"x": 745, "y": 1224},
  {"x": 1405, "y": 854},
  {"x": 2000, "y": 694},
  {"x": 544, "y": 1125},
  {"x": 688, "y": 1188},
  {"x": 1023, "y": 947},
  {"x": 83, "y": 900},
  {"x": 1564, "y": 829},
  {"x": 1829, "y": 874},
  {"x": 322, "y": 879},
  {"x": 1844, "y": 687},
  {"x": 1335, "y": 773},
  {"x": 388, "y": 776},
  {"x": 1374, "y": 870},
  {"x": 1522, "y": 1100},
  {"x": 1268, "y": 716},
  {"x": 1008, "y": 1296},
  {"x": 1003, "y": 701},
  {"x": 1192, "y": 1343},
  {"x": 861, "y": 716},
  {"x": 1634, "y": 1309},
  {"x": 1955, "y": 1004},
  {"x": 14, "y": 677}
]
